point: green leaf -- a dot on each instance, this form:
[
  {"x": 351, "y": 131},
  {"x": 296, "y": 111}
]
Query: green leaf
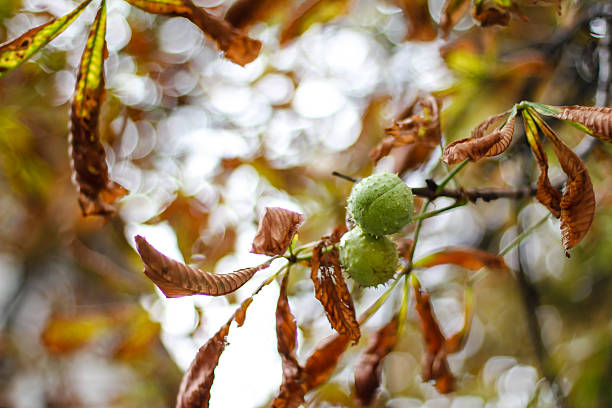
[
  {"x": 97, "y": 192},
  {"x": 14, "y": 53}
]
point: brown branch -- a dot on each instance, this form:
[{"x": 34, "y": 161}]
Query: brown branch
[{"x": 431, "y": 192}]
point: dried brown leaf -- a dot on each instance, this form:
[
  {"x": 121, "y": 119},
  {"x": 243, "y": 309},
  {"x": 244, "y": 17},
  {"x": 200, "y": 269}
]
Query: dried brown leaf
[
  {"x": 475, "y": 148},
  {"x": 237, "y": 46},
  {"x": 435, "y": 364},
  {"x": 176, "y": 279},
  {"x": 324, "y": 359},
  {"x": 332, "y": 292},
  {"x": 244, "y": 13},
  {"x": 420, "y": 25},
  {"x": 194, "y": 391},
  {"x": 597, "y": 120},
  {"x": 368, "y": 371},
  {"x": 97, "y": 193},
  {"x": 470, "y": 258},
  {"x": 277, "y": 227},
  {"x": 578, "y": 200},
  {"x": 293, "y": 388},
  {"x": 452, "y": 12},
  {"x": 490, "y": 16}
]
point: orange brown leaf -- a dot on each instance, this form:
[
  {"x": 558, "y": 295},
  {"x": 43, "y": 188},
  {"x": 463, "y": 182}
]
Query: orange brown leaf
[
  {"x": 324, "y": 359},
  {"x": 470, "y": 258},
  {"x": 332, "y": 292},
  {"x": 452, "y": 12},
  {"x": 477, "y": 147},
  {"x": 194, "y": 391},
  {"x": 420, "y": 25},
  {"x": 292, "y": 390},
  {"x": 97, "y": 193},
  {"x": 277, "y": 227},
  {"x": 236, "y": 45},
  {"x": 597, "y": 120},
  {"x": 176, "y": 279},
  {"x": 244, "y": 13},
  {"x": 368, "y": 371},
  {"x": 490, "y": 16}
]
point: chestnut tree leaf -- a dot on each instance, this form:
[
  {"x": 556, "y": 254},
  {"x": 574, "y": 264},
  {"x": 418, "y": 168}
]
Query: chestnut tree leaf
[
  {"x": 470, "y": 258},
  {"x": 578, "y": 199},
  {"x": 176, "y": 279},
  {"x": 549, "y": 196},
  {"x": 368, "y": 371},
  {"x": 420, "y": 24},
  {"x": 452, "y": 12},
  {"x": 292, "y": 390},
  {"x": 244, "y": 13},
  {"x": 322, "y": 362},
  {"x": 97, "y": 193},
  {"x": 236, "y": 45},
  {"x": 490, "y": 16},
  {"x": 331, "y": 290},
  {"x": 194, "y": 391},
  {"x": 435, "y": 365},
  {"x": 277, "y": 227},
  {"x": 479, "y": 146},
  {"x": 14, "y": 53},
  {"x": 596, "y": 121}
]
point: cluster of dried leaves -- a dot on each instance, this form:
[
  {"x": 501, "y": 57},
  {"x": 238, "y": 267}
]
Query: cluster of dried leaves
[
  {"x": 575, "y": 206},
  {"x": 276, "y": 232}
]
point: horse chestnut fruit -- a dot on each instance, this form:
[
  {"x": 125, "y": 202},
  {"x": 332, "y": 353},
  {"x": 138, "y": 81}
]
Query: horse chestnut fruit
[
  {"x": 381, "y": 204},
  {"x": 369, "y": 260}
]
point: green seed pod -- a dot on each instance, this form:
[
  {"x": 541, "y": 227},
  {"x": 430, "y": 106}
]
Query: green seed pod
[
  {"x": 381, "y": 204},
  {"x": 367, "y": 259}
]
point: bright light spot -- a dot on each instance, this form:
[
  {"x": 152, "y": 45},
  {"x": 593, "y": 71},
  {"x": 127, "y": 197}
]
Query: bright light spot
[{"x": 317, "y": 99}]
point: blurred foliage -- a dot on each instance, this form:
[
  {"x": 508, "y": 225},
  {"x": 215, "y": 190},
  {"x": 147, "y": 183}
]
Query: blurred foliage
[{"x": 204, "y": 145}]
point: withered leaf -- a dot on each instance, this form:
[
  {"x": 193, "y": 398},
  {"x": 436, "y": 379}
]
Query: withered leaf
[
  {"x": 435, "y": 365},
  {"x": 452, "y": 12},
  {"x": 176, "y": 279},
  {"x": 194, "y": 391},
  {"x": 324, "y": 359},
  {"x": 310, "y": 12},
  {"x": 411, "y": 128},
  {"x": 293, "y": 388},
  {"x": 19, "y": 50},
  {"x": 236, "y": 45},
  {"x": 368, "y": 371},
  {"x": 420, "y": 25},
  {"x": 332, "y": 292},
  {"x": 597, "y": 120},
  {"x": 578, "y": 199},
  {"x": 490, "y": 16},
  {"x": 244, "y": 13},
  {"x": 97, "y": 192},
  {"x": 277, "y": 227},
  {"x": 549, "y": 196},
  {"x": 478, "y": 146},
  {"x": 470, "y": 258}
]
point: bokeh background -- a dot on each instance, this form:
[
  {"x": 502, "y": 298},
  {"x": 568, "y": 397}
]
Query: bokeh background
[{"x": 204, "y": 145}]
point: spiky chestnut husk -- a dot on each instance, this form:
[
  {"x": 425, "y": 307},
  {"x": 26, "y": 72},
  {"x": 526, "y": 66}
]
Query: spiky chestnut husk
[
  {"x": 369, "y": 260},
  {"x": 381, "y": 204}
]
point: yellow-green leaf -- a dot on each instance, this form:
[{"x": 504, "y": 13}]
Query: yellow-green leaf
[
  {"x": 15, "y": 52},
  {"x": 97, "y": 192}
]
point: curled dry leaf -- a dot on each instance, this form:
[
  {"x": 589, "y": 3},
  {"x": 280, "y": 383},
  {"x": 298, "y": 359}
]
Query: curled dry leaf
[
  {"x": 479, "y": 146},
  {"x": 321, "y": 363},
  {"x": 578, "y": 199},
  {"x": 176, "y": 279},
  {"x": 194, "y": 391},
  {"x": 244, "y": 13},
  {"x": 421, "y": 130},
  {"x": 236, "y": 45},
  {"x": 97, "y": 193},
  {"x": 470, "y": 258},
  {"x": 435, "y": 364},
  {"x": 597, "y": 120},
  {"x": 490, "y": 16},
  {"x": 293, "y": 388},
  {"x": 368, "y": 372},
  {"x": 420, "y": 25},
  {"x": 452, "y": 12},
  {"x": 331, "y": 290},
  {"x": 277, "y": 227},
  {"x": 17, "y": 51},
  {"x": 310, "y": 12}
]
